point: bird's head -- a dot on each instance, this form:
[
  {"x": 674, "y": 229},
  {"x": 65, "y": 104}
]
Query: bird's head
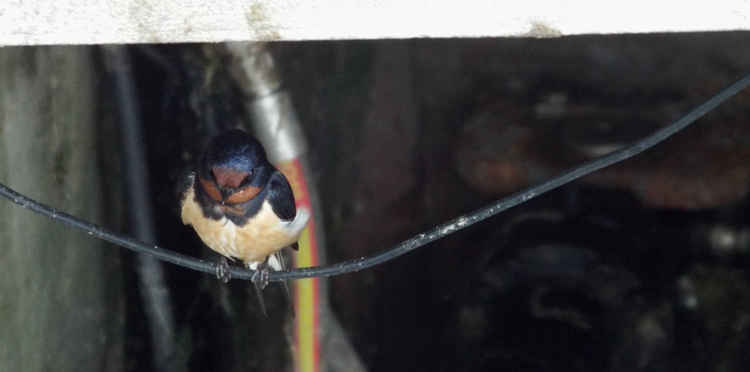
[{"x": 233, "y": 169}]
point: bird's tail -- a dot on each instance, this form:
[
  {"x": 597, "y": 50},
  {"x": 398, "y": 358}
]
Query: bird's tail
[
  {"x": 300, "y": 220},
  {"x": 277, "y": 262}
]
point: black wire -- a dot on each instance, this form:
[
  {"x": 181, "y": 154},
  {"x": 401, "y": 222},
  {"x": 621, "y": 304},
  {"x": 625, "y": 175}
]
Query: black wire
[{"x": 406, "y": 246}]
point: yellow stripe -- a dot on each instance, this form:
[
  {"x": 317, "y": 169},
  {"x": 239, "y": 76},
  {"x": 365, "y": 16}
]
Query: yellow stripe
[
  {"x": 305, "y": 310},
  {"x": 305, "y": 290}
]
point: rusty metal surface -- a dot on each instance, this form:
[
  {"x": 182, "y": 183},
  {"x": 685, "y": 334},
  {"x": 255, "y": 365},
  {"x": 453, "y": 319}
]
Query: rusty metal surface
[{"x": 706, "y": 167}]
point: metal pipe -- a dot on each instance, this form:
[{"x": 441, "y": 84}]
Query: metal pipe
[
  {"x": 277, "y": 126},
  {"x": 153, "y": 289}
]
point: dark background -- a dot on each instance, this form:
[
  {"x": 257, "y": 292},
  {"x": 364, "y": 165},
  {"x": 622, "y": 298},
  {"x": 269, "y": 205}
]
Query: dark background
[{"x": 641, "y": 267}]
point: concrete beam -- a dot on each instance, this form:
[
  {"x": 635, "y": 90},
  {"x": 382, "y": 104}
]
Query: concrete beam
[{"x": 173, "y": 21}]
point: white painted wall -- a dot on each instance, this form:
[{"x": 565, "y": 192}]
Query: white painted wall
[{"x": 141, "y": 21}]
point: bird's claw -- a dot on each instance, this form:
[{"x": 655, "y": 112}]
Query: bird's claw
[
  {"x": 223, "y": 272},
  {"x": 260, "y": 277},
  {"x": 260, "y": 281}
]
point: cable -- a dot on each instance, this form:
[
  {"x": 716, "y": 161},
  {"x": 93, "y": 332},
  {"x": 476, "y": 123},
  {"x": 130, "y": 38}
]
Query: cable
[{"x": 406, "y": 246}]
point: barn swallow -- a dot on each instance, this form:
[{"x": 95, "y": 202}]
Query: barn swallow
[{"x": 242, "y": 207}]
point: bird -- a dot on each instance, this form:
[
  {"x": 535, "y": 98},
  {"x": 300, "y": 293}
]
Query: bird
[{"x": 242, "y": 207}]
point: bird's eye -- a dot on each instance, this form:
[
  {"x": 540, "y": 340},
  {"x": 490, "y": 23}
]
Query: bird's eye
[
  {"x": 210, "y": 189},
  {"x": 247, "y": 179}
]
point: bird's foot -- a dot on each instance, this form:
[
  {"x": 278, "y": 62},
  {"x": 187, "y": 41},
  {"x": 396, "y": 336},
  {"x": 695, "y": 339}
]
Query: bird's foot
[
  {"x": 223, "y": 272},
  {"x": 260, "y": 281},
  {"x": 260, "y": 278}
]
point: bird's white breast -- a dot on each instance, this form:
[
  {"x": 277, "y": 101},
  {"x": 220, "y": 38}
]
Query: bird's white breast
[{"x": 261, "y": 236}]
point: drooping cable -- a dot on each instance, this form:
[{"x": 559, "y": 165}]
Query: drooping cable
[{"x": 408, "y": 245}]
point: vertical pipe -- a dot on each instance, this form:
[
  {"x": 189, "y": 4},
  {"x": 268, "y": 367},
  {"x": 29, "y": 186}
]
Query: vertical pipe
[
  {"x": 276, "y": 125},
  {"x": 153, "y": 289}
]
